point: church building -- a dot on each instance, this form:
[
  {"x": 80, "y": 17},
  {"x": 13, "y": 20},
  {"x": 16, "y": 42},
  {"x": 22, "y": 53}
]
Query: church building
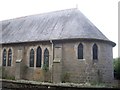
[{"x": 59, "y": 46}]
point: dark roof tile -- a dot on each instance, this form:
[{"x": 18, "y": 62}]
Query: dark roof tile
[{"x": 64, "y": 24}]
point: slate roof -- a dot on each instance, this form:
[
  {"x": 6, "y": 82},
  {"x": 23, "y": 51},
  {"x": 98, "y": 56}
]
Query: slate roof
[{"x": 57, "y": 25}]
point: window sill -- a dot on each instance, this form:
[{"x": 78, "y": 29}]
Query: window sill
[
  {"x": 31, "y": 67},
  {"x": 38, "y": 67},
  {"x": 57, "y": 60},
  {"x": 95, "y": 60},
  {"x": 81, "y": 59},
  {"x": 18, "y": 60},
  {"x": 7, "y": 66}
]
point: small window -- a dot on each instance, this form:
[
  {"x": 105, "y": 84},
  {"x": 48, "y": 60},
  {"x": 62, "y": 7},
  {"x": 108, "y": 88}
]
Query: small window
[
  {"x": 95, "y": 52},
  {"x": 9, "y": 57},
  {"x": 80, "y": 51},
  {"x": 4, "y": 57},
  {"x": 38, "y": 57},
  {"x": 46, "y": 58},
  {"x": 31, "y": 58}
]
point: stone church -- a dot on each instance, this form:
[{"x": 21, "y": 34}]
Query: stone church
[{"x": 59, "y": 46}]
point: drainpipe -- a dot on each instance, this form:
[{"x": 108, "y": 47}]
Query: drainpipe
[
  {"x": 52, "y": 58},
  {"x": 52, "y": 48}
]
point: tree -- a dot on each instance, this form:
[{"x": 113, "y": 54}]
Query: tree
[{"x": 117, "y": 68}]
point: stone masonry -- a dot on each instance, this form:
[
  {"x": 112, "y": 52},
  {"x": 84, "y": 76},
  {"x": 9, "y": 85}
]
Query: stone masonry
[{"x": 63, "y": 61}]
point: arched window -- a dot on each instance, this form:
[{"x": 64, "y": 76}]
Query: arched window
[
  {"x": 46, "y": 58},
  {"x": 95, "y": 52},
  {"x": 9, "y": 57},
  {"x": 4, "y": 57},
  {"x": 38, "y": 57},
  {"x": 80, "y": 51},
  {"x": 31, "y": 58}
]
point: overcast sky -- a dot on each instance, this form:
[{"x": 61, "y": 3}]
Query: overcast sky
[{"x": 102, "y": 13}]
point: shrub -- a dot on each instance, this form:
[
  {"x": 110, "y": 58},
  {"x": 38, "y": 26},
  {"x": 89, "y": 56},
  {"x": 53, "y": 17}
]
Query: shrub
[
  {"x": 117, "y": 68},
  {"x": 45, "y": 68}
]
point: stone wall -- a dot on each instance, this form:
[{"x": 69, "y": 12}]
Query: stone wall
[
  {"x": 26, "y": 72},
  {"x": 33, "y": 85},
  {"x": 64, "y": 66},
  {"x": 82, "y": 70}
]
